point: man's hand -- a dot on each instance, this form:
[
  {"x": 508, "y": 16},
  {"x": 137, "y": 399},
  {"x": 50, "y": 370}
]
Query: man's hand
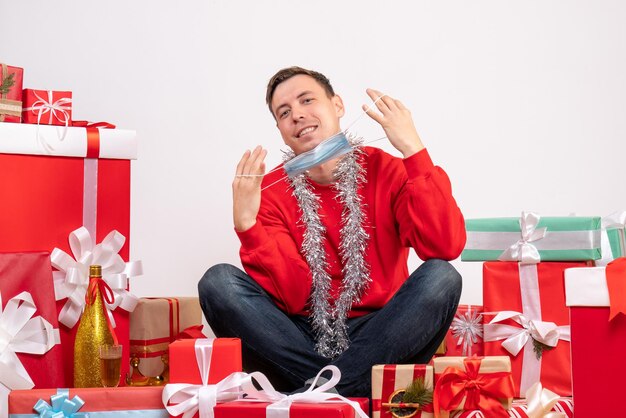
[
  {"x": 397, "y": 123},
  {"x": 247, "y": 188}
]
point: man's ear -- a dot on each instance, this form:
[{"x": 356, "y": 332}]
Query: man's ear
[{"x": 338, "y": 103}]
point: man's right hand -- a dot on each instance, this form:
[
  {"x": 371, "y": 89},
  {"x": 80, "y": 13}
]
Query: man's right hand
[{"x": 247, "y": 188}]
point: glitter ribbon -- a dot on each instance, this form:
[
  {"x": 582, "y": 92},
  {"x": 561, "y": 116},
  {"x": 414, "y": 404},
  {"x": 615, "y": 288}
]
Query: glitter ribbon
[
  {"x": 187, "y": 399},
  {"x": 540, "y": 402},
  {"x": 21, "y": 332},
  {"x": 531, "y": 327},
  {"x": 61, "y": 406},
  {"x": 281, "y": 403},
  {"x": 72, "y": 279},
  {"x": 467, "y": 329}
]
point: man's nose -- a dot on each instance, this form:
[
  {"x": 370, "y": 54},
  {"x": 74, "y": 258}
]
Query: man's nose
[{"x": 297, "y": 114}]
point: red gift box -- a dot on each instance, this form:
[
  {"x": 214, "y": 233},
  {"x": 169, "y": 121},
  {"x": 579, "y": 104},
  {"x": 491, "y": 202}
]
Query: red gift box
[
  {"x": 465, "y": 337},
  {"x": 242, "y": 409},
  {"x": 389, "y": 378},
  {"x": 598, "y": 342},
  {"x": 127, "y": 401},
  {"x": 225, "y": 359},
  {"x": 45, "y": 198},
  {"x": 531, "y": 300},
  {"x": 11, "y": 93},
  {"x": 32, "y": 273},
  {"x": 47, "y": 107}
]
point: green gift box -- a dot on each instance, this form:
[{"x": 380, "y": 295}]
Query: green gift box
[
  {"x": 531, "y": 239},
  {"x": 613, "y": 238}
]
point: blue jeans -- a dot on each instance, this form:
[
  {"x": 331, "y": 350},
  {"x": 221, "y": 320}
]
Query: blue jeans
[{"x": 408, "y": 329}]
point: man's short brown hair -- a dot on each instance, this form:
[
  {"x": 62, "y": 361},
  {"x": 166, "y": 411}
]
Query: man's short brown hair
[{"x": 286, "y": 74}]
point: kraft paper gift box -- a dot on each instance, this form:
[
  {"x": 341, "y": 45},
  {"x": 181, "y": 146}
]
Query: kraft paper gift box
[
  {"x": 242, "y": 409},
  {"x": 389, "y": 379},
  {"x": 47, "y": 107},
  {"x": 465, "y": 336},
  {"x": 491, "y": 387},
  {"x": 30, "y": 355},
  {"x": 157, "y": 322},
  {"x": 532, "y": 238},
  {"x": 51, "y": 187},
  {"x": 595, "y": 297},
  {"x": 529, "y": 321},
  {"x": 11, "y": 93},
  {"x": 131, "y": 402}
]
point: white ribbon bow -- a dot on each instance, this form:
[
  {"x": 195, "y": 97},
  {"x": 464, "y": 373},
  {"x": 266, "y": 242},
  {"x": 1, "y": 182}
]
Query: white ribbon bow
[
  {"x": 21, "y": 332},
  {"x": 72, "y": 279},
  {"x": 187, "y": 399},
  {"x": 515, "y": 338},
  {"x": 467, "y": 329},
  {"x": 58, "y": 109},
  {"x": 523, "y": 250},
  {"x": 540, "y": 402},
  {"x": 281, "y": 403}
]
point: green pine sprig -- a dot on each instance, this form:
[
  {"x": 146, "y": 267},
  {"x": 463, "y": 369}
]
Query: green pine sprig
[
  {"x": 539, "y": 348},
  {"x": 7, "y": 83},
  {"x": 417, "y": 392}
]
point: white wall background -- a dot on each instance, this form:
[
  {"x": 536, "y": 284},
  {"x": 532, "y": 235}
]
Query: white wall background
[{"x": 523, "y": 103}]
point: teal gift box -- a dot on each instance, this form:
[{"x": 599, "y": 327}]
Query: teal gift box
[
  {"x": 532, "y": 238},
  {"x": 613, "y": 237}
]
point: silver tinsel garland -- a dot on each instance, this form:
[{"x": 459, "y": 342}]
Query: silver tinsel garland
[{"x": 329, "y": 321}]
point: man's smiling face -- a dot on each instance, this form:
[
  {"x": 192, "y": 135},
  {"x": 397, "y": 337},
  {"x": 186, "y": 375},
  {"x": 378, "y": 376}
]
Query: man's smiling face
[{"x": 305, "y": 115}]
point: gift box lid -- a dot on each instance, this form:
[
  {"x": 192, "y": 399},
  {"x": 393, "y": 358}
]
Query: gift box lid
[
  {"x": 61, "y": 141},
  {"x": 586, "y": 286}
]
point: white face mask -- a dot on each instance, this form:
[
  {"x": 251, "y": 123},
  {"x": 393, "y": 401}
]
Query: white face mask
[{"x": 326, "y": 150}]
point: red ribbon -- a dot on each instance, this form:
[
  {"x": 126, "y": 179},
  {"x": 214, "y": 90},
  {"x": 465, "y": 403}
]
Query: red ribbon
[
  {"x": 93, "y": 135},
  {"x": 480, "y": 390},
  {"x": 87, "y": 124},
  {"x": 95, "y": 284},
  {"x": 192, "y": 332},
  {"x": 616, "y": 282}
]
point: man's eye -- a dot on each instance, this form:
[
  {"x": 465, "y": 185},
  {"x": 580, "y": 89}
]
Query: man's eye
[
  {"x": 307, "y": 100},
  {"x": 283, "y": 113}
]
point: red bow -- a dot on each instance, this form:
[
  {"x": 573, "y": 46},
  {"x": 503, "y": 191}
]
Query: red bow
[
  {"x": 616, "y": 282},
  {"x": 95, "y": 284},
  {"x": 480, "y": 390},
  {"x": 192, "y": 332}
]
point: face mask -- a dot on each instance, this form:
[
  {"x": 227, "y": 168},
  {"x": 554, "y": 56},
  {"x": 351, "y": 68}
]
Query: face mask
[{"x": 333, "y": 147}]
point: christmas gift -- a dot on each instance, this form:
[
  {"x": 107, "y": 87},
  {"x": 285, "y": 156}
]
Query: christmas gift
[
  {"x": 597, "y": 300},
  {"x": 144, "y": 402},
  {"x": 473, "y": 383},
  {"x": 395, "y": 384},
  {"x": 47, "y": 107},
  {"x": 526, "y": 319},
  {"x": 531, "y": 239},
  {"x": 316, "y": 401},
  {"x": 10, "y": 93},
  {"x": 613, "y": 238},
  {"x": 47, "y": 195},
  {"x": 203, "y": 372},
  {"x": 154, "y": 324},
  {"x": 29, "y": 352},
  {"x": 465, "y": 337}
]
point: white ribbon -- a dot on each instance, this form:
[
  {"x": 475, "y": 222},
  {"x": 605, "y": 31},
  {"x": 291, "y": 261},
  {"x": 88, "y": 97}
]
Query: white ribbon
[
  {"x": 540, "y": 402},
  {"x": 616, "y": 220},
  {"x": 523, "y": 250},
  {"x": 531, "y": 327},
  {"x": 58, "y": 109},
  {"x": 21, "y": 332},
  {"x": 72, "y": 279},
  {"x": 467, "y": 329},
  {"x": 281, "y": 403},
  {"x": 187, "y": 399}
]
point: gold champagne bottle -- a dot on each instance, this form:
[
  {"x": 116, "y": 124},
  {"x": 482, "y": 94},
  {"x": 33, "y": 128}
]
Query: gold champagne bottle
[{"x": 93, "y": 331}]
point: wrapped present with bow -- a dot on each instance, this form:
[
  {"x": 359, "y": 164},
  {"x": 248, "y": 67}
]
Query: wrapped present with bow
[
  {"x": 10, "y": 93},
  {"x": 46, "y": 194},
  {"x": 596, "y": 297},
  {"x": 154, "y": 325},
  {"x": 532, "y": 238},
  {"x": 318, "y": 401},
  {"x": 465, "y": 336},
  {"x": 473, "y": 383},
  {"x": 526, "y": 319},
  {"x": 130, "y": 402},
  {"x": 47, "y": 107},
  {"x": 203, "y": 372},
  {"x": 613, "y": 240},
  {"x": 402, "y": 390},
  {"x": 29, "y": 352}
]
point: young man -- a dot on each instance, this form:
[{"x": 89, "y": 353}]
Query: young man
[{"x": 325, "y": 251}]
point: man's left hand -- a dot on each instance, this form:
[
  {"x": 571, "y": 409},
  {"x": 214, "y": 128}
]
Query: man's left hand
[{"x": 397, "y": 123}]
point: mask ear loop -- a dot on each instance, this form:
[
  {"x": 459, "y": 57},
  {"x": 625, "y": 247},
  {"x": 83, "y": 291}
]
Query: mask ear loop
[{"x": 363, "y": 113}]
